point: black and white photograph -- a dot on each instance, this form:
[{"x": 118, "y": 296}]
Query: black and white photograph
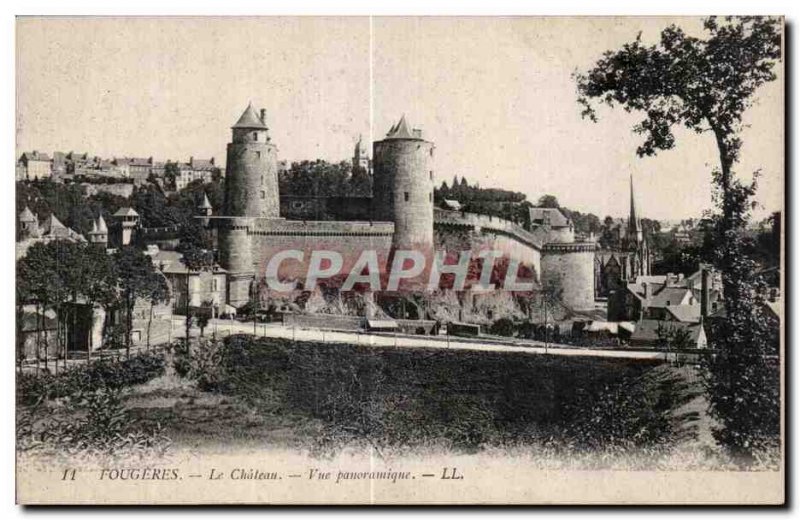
[{"x": 404, "y": 260}]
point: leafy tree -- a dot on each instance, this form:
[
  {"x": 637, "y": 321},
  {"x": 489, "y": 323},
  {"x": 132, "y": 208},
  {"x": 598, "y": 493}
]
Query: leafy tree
[
  {"x": 202, "y": 321},
  {"x": 324, "y": 179},
  {"x": 672, "y": 337},
  {"x": 138, "y": 279},
  {"x": 706, "y": 84},
  {"x": 60, "y": 275},
  {"x": 37, "y": 282},
  {"x": 171, "y": 172},
  {"x": 195, "y": 246},
  {"x": 548, "y": 201}
]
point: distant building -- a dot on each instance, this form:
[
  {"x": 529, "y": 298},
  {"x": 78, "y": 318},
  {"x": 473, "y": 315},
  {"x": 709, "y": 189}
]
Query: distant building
[
  {"x": 34, "y": 165},
  {"x": 655, "y": 333},
  {"x": 452, "y": 205},
  {"x": 195, "y": 169},
  {"x": 158, "y": 169},
  {"x": 627, "y": 259},
  {"x": 31, "y": 231},
  {"x": 59, "y": 164},
  {"x": 202, "y": 288},
  {"x": 126, "y": 221},
  {"x": 551, "y": 225},
  {"x": 361, "y": 157},
  {"x": 99, "y": 233},
  {"x": 668, "y": 298},
  {"x": 140, "y": 168}
]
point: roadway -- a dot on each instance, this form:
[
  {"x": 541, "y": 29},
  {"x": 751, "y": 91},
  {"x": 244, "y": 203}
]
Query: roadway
[{"x": 276, "y": 330}]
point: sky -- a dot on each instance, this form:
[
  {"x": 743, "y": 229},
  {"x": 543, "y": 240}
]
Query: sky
[{"x": 495, "y": 95}]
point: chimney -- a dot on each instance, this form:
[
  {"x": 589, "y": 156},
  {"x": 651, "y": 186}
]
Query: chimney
[
  {"x": 212, "y": 162},
  {"x": 705, "y": 291},
  {"x": 263, "y": 116},
  {"x": 646, "y": 290}
]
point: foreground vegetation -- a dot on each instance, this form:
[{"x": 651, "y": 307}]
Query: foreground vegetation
[
  {"x": 396, "y": 399},
  {"x": 81, "y": 411},
  {"x": 265, "y": 393}
]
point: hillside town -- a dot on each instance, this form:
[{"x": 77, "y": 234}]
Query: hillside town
[
  {"x": 374, "y": 264},
  {"x": 608, "y": 290}
]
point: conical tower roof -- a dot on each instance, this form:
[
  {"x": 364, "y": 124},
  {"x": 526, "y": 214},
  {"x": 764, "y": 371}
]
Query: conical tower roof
[
  {"x": 54, "y": 224},
  {"x": 250, "y": 119},
  {"x": 126, "y": 212},
  {"x": 27, "y": 216},
  {"x": 206, "y": 204},
  {"x": 101, "y": 225},
  {"x": 94, "y": 228},
  {"x": 400, "y": 130}
]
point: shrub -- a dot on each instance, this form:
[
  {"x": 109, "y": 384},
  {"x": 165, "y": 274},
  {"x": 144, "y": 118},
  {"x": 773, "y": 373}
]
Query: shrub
[
  {"x": 96, "y": 423},
  {"x": 502, "y": 327},
  {"x": 99, "y": 374},
  {"x": 201, "y": 361}
]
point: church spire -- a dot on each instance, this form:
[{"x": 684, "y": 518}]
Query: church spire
[{"x": 634, "y": 224}]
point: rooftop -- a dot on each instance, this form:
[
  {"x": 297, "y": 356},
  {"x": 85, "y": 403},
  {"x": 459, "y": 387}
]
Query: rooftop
[
  {"x": 126, "y": 212},
  {"x": 27, "y": 216},
  {"x": 685, "y": 313},
  {"x": 249, "y": 119},
  {"x": 401, "y": 131},
  {"x": 35, "y": 156},
  {"x": 647, "y": 330},
  {"x": 550, "y": 216}
]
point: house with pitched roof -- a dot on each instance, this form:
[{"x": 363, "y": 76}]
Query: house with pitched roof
[
  {"x": 34, "y": 165},
  {"x": 551, "y": 225},
  {"x": 668, "y": 334}
]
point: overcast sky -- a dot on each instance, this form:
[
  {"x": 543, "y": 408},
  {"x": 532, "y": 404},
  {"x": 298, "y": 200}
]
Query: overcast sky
[{"x": 494, "y": 94}]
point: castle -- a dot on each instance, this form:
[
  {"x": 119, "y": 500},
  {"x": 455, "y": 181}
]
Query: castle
[{"x": 251, "y": 231}]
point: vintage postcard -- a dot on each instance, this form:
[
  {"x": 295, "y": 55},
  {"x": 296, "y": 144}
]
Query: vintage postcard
[{"x": 399, "y": 260}]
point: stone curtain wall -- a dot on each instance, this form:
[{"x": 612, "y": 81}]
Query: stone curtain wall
[{"x": 347, "y": 238}]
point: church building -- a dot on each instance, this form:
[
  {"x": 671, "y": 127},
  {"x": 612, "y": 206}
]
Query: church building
[{"x": 623, "y": 262}]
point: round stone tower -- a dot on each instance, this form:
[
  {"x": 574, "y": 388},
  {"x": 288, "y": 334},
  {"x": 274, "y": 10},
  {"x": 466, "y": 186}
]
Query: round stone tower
[
  {"x": 403, "y": 186},
  {"x": 251, "y": 191},
  {"x": 571, "y": 266},
  {"x": 251, "y": 172}
]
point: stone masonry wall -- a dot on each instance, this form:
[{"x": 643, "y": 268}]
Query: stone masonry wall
[
  {"x": 403, "y": 190},
  {"x": 251, "y": 182},
  {"x": 573, "y": 266}
]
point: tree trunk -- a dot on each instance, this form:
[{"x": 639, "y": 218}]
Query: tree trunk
[
  {"x": 188, "y": 324},
  {"x": 46, "y": 343},
  {"x": 20, "y": 337},
  {"x": 728, "y": 255},
  {"x": 128, "y": 324},
  {"x": 58, "y": 335},
  {"x": 149, "y": 326},
  {"x": 38, "y": 334}
]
